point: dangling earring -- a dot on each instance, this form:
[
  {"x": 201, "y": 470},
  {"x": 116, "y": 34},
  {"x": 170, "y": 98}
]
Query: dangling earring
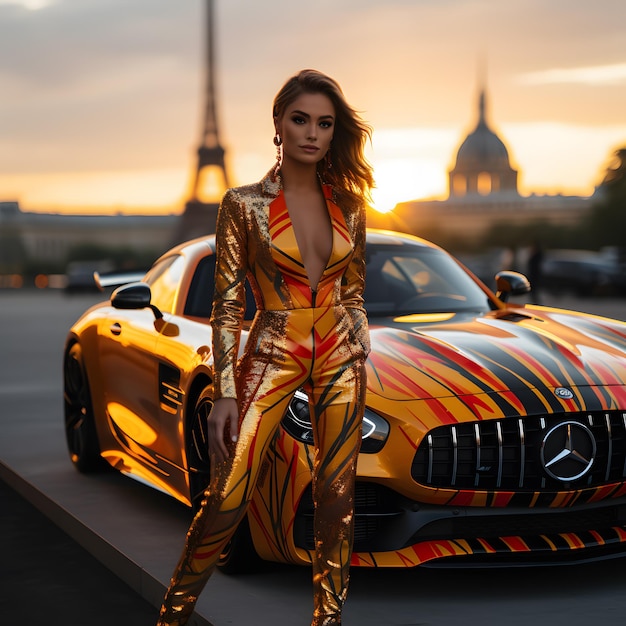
[
  {"x": 278, "y": 142},
  {"x": 329, "y": 163}
]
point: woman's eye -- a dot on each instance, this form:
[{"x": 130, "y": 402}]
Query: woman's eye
[
  {"x": 326, "y": 124},
  {"x": 298, "y": 120}
]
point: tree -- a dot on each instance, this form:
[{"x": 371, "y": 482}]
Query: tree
[{"x": 606, "y": 223}]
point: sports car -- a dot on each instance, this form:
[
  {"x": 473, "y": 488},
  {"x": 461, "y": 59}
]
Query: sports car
[{"x": 494, "y": 431}]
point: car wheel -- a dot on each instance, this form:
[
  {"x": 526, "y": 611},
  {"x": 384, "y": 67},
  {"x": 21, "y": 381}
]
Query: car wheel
[
  {"x": 199, "y": 463},
  {"x": 239, "y": 556},
  {"x": 80, "y": 426}
]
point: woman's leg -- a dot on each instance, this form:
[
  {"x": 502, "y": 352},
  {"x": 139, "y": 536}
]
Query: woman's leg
[
  {"x": 226, "y": 499},
  {"x": 338, "y": 408},
  {"x": 220, "y": 512}
]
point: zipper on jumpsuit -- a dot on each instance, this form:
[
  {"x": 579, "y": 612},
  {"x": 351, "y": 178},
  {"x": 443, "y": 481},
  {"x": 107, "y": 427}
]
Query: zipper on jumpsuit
[{"x": 313, "y": 297}]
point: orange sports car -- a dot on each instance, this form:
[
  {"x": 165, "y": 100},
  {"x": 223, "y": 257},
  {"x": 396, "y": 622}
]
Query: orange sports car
[{"x": 494, "y": 433}]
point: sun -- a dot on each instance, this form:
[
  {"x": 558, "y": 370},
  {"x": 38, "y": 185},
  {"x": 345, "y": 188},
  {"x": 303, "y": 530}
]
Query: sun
[
  {"x": 404, "y": 179},
  {"x": 409, "y": 164}
]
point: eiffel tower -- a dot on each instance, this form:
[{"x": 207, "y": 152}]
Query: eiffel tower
[{"x": 200, "y": 213}]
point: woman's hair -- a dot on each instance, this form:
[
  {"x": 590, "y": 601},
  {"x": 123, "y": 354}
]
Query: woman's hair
[{"x": 350, "y": 172}]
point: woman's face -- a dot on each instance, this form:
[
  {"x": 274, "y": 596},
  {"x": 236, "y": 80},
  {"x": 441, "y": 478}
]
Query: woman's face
[{"x": 306, "y": 128}]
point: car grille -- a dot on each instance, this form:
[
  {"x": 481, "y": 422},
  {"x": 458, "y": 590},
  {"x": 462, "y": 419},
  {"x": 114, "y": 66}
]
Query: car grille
[
  {"x": 506, "y": 454},
  {"x": 375, "y": 507},
  {"x": 529, "y": 524}
]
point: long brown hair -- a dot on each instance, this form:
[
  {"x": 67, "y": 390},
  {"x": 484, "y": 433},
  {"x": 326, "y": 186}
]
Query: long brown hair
[{"x": 350, "y": 172}]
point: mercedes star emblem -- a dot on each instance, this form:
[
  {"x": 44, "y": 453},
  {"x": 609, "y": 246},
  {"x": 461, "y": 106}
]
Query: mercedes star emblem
[
  {"x": 568, "y": 451},
  {"x": 564, "y": 392}
]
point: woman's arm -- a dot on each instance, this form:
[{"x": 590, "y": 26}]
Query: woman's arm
[
  {"x": 353, "y": 282},
  {"x": 226, "y": 321},
  {"x": 229, "y": 298}
]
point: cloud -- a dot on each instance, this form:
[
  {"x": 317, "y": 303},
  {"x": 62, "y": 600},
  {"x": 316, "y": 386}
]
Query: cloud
[
  {"x": 98, "y": 83},
  {"x": 68, "y": 41},
  {"x": 594, "y": 75},
  {"x": 31, "y": 5},
  {"x": 114, "y": 84}
]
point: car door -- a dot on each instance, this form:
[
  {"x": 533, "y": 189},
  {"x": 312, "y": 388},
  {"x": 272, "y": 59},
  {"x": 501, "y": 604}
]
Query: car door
[
  {"x": 184, "y": 350},
  {"x": 183, "y": 346},
  {"x": 130, "y": 365},
  {"x": 127, "y": 341}
]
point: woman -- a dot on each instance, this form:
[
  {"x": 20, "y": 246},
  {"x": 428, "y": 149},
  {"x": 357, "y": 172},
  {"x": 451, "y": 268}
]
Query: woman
[{"x": 298, "y": 236}]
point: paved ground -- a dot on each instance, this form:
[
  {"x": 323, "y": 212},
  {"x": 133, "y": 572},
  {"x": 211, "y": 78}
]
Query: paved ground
[{"x": 47, "y": 578}]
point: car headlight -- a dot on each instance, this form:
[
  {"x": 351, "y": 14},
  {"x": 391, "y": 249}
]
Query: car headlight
[{"x": 297, "y": 422}]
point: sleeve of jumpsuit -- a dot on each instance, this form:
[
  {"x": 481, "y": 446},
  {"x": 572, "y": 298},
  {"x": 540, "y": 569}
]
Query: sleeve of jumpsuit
[
  {"x": 229, "y": 300},
  {"x": 353, "y": 282}
]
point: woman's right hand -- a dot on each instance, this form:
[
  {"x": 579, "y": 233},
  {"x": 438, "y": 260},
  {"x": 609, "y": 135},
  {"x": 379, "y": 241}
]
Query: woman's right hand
[{"x": 224, "y": 410}]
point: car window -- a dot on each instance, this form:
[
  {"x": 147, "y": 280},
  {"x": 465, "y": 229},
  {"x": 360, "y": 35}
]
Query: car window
[
  {"x": 398, "y": 282},
  {"x": 418, "y": 280},
  {"x": 164, "y": 278},
  {"x": 200, "y": 297}
]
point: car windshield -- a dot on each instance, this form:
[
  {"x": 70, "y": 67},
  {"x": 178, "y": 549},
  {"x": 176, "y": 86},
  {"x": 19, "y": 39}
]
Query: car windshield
[
  {"x": 418, "y": 279},
  {"x": 400, "y": 280}
]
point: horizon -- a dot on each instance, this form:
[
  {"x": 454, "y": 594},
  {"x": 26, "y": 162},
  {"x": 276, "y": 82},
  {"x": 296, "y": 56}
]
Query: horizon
[{"x": 103, "y": 103}]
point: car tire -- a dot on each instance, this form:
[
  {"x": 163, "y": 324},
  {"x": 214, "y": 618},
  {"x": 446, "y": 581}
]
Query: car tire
[
  {"x": 80, "y": 426},
  {"x": 239, "y": 555},
  {"x": 198, "y": 461}
]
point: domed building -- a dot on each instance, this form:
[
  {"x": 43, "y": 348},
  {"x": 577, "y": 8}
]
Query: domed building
[
  {"x": 482, "y": 194},
  {"x": 482, "y": 163}
]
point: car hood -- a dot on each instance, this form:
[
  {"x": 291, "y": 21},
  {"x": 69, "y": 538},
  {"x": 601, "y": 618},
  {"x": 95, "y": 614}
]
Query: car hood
[{"x": 522, "y": 354}]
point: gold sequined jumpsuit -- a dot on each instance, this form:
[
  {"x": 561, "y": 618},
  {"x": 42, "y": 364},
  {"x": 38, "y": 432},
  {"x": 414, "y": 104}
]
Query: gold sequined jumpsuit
[{"x": 300, "y": 337}]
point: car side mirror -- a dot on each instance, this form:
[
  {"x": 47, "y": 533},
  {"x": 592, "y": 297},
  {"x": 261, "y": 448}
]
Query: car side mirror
[
  {"x": 511, "y": 284},
  {"x": 134, "y": 296}
]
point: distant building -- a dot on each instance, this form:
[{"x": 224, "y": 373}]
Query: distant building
[
  {"x": 482, "y": 192},
  {"x": 482, "y": 165},
  {"x": 49, "y": 237}
]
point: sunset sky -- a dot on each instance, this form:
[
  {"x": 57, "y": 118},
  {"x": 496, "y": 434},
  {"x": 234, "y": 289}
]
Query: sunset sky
[{"x": 102, "y": 100}]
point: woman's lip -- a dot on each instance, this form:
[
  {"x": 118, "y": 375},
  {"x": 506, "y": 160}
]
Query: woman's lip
[{"x": 310, "y": 148}]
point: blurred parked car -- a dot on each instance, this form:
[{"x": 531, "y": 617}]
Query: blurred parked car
[
  {"x": 80, "y": 275},
  {"x": 583, "y": 273},
  {"x": 493, "y": 433}
]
